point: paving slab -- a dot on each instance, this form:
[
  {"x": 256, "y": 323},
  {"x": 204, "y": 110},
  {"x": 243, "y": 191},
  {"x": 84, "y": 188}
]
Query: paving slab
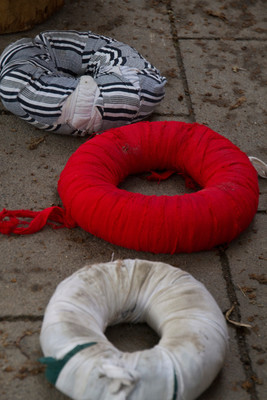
[
  {"x": 226, "y": 83},
  {"x": 249, "y": 277},
  {"x": 229, "y": 382},
  {"x": 40, "y": 155},
  {"x": 22, "y": 376},
  {"x": 223, "y": 19}
]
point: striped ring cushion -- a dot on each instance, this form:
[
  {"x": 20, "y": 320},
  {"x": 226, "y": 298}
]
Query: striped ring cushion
[{"x": 76, "y": 83}]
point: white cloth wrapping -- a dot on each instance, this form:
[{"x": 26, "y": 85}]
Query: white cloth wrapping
[
  {"x": 192, "y": 330},
  {"x": 79, "y": 110}
]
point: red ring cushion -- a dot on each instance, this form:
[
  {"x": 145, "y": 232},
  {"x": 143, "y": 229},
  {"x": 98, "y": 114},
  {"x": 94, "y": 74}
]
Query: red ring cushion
[{"x": 214, "y": 215}]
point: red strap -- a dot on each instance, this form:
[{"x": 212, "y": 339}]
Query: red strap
[
  {"x": 159, "y": 176},
  {"x": 10, "y": 220}
]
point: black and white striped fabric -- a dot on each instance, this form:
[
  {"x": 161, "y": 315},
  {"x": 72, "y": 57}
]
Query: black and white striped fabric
[{"x": 77, "y": 83}]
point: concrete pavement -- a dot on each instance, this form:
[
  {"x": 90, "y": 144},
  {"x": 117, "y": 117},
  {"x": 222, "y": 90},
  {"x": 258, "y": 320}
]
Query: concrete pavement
[{"x": 213, "y": 54}]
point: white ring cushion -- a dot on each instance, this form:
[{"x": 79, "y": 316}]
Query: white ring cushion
[{"x": 190, "y": 324}]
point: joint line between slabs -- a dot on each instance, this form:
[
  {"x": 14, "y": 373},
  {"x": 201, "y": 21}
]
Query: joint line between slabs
[
  {"x": 238, "y": 39},
  {"x": 171, "y": 115},
  {"x": 21, "y": 318},
  {"x": 179, "y": 58},
  {"x": 240, "y": 332}
]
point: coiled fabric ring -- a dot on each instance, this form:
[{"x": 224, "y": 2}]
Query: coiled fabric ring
[
  {"x": 223, "y": 207},
  {"x": 78, "y": 83},
  {"x": 92, "y": 199},
  {"x": 83, "y": 364}
]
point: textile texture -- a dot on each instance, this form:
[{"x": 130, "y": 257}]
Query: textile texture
[
  {"x": 216, "y": 214},
  {"x": 38, "y": 75},
  {"x": 88, "y": 186},
  {"x": 192, "y": 330}
]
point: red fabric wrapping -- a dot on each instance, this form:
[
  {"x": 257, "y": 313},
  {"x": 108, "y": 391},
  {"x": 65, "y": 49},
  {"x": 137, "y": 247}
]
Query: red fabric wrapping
[{"x": 214, "y": 215}]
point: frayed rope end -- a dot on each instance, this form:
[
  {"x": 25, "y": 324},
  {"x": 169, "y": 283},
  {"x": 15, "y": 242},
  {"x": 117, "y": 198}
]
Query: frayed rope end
[{"x": 24, "y": 222}]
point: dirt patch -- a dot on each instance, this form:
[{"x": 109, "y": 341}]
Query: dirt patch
[
  {"x": 238, "y": 103},
  {"x": 111, "y": 24},
  {"x": 34, "y": 143},
  {"x": 219, "y": 102},
  {"x": 262, "y": 279},
  {"x": 29, "y": 368},
  {"x": 216, "y": 14}
]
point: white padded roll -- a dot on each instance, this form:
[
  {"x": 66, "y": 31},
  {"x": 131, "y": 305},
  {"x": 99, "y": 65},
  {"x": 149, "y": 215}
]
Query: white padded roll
[{"x": 192, "y": 330}]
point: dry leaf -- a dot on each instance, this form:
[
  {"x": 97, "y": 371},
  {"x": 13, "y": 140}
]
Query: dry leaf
[
  {"x": 239, "y": 102},
  {"x": 235, "y": 68},
  {"x": 227, "y": 316},
  {"x": 261, "y": 168},
  {"x": 260, "y": 278},
  {"x": 35, "y": 143},
  {"x": 217, "y": 14}
]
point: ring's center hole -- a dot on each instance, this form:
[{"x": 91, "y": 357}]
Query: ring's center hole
[
  {"x": 148, "y": 184},
  {"x": 132, "y": 337}
]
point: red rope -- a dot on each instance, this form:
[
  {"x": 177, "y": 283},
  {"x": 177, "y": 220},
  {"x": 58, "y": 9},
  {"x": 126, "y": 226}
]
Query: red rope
[
  {"x": 10, "y": 220},
  {"x": 159, "y": 176}
]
